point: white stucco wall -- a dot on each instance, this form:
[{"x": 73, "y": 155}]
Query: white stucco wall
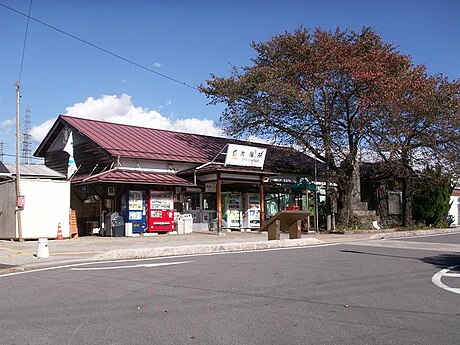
[
  {"x": 454, "y": 209},
  {"x": 47, "y": 203}
]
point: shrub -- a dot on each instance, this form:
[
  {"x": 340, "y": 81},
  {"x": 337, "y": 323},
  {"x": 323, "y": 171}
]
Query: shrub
[{"x": 431, "y": 200}]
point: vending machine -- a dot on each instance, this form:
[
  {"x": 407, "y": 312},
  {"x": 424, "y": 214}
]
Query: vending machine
[
  {"x": 231, "y": 210},
  {"x": 134, "y": 209},
  {"x": 251, "y": 218},
  {"x": 161, "y": 211}
]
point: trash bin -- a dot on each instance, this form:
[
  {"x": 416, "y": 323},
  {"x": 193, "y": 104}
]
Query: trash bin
[
  {"x": 108, "y": 225},
  {"x": 118, "y": 226},
  {"x": 180, "y": 225},
  {"x": 213, "y": 225},
  {"x": 188, "y": 223}
]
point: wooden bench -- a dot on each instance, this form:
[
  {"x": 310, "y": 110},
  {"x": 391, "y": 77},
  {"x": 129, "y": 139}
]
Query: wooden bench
[{"x": 290, "y": 221}]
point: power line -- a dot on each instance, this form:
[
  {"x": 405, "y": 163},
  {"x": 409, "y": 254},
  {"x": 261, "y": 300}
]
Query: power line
[
  {"x": 7, "y": 131},
  {"x": 100, "y": 48},
  {"x": 13, "y": 155},
  {"x": 25, "y": 40}
]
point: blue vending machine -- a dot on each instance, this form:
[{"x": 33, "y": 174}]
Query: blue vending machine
[{"x": 134, "y": 209}]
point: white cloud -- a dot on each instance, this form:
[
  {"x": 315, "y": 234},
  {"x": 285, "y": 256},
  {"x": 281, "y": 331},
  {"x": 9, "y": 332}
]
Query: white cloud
[
  {"x": 37, "y": 133},
  {"x": 168, "y": 103},
  {"x": 7, "y": 123},
  {"x": 198, "y": 126},
  {"x": 256, "y": 139},
  {"x": 157, "y": 65},
  {"x": 120, "y": 109}
]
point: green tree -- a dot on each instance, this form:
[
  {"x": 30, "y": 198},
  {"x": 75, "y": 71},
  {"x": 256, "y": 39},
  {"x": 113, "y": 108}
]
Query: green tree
[
  {"x": 431, "y": 202},
  {"x": 311, "y": 89}
]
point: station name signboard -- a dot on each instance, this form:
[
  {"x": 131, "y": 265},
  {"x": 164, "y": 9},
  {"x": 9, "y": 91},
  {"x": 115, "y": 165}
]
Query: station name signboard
[
  {"x": 247, "y": 156},
  {"x": 210, "y": 188}
]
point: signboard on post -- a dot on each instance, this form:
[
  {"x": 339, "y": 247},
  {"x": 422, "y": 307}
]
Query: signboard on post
[
  {"x": 20, "y": 201},
  {"x": 247, "y": 156}
]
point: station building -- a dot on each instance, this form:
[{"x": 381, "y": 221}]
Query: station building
[{"x": 149, "y": 177}]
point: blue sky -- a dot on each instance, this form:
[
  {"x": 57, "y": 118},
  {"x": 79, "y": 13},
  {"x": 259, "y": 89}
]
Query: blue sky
[{"x": 185, "y": 40}]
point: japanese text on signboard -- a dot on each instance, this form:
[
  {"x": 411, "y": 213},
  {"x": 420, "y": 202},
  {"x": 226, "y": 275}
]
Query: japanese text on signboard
[{"x": 248, "y": 156}]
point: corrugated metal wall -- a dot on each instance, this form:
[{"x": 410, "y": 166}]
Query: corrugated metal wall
[{"x": 7, "y": 210}]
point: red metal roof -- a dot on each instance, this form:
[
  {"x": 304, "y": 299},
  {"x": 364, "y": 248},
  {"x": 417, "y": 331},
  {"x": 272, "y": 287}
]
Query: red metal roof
[
  {"x": 149, "y": 143},
  {"x": 120, "y": 176},
  {"x": 158, "y": 144}
]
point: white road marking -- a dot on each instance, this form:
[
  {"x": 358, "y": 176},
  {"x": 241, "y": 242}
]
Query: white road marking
[
  {"x": 132, "y": 266},
  {"x": 164, "y": 258},
  {"x": 436, "y": 279}
]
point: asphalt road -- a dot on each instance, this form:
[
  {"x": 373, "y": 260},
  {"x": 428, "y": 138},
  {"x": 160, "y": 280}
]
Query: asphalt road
[{"x": 369, "y": 292}]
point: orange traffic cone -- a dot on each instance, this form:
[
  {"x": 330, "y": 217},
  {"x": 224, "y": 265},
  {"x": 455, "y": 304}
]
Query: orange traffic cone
[{"x": 59, "y": 233}]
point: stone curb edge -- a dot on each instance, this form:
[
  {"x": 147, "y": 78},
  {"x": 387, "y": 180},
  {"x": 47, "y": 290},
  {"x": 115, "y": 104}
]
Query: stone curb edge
[
  {"x": 144, "y": 253},
  {"x": 402, "y": 234}
]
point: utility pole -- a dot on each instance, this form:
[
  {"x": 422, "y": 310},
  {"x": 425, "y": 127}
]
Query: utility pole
[
  {"x": 316, "y": 196},
  {"x": 18, "y": 172}
]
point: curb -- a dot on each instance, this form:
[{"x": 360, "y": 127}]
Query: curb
[
  {"x": 233, "y": 247},
  {"x": 402, "y": 234},
  {"x": 143, "y": 253},
  {"x": 4, "y": 269}
]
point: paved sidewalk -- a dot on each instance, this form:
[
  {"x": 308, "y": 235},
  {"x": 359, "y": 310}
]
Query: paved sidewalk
[{"x": 16, "y": 255}]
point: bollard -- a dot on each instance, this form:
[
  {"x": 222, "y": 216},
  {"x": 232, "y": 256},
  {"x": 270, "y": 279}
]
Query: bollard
[{"x": 43, "y": 251}]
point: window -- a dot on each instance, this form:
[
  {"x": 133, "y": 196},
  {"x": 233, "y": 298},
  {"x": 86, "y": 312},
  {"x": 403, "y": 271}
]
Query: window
[
  {"x": 209, "y": 201},
  {"x": 192, "y": 202}
]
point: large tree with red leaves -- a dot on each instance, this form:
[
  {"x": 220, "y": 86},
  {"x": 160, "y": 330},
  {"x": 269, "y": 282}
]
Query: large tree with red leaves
[
  {"x": 416, "y": 124},
  {"x": 313, "y": 89}
]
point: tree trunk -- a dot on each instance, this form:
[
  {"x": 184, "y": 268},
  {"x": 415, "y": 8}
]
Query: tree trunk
[
  {"x": 407, "y": 192},
  {"x": 344, "y": 204},
  {"x": 346, "y": 183},
  {"x": 329, "y": 163},
  {"x": 407, "y": 189}
]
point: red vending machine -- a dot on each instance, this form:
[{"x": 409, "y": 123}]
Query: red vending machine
[{"x": 161, "y": 211}]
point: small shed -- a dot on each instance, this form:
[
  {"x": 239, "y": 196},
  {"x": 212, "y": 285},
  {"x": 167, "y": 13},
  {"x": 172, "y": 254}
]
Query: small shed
[{"x": 47, "y": 202}]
